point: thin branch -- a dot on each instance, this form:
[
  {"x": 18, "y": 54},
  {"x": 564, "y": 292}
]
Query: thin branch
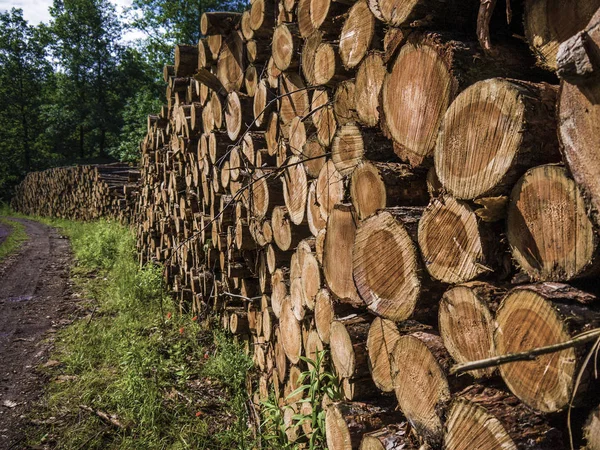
[{"x": 528, "y": 355}]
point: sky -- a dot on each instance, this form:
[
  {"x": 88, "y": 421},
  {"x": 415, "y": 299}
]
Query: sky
[{"x": 36, "y": 11}]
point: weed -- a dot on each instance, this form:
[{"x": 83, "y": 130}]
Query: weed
[
  {"x": 126, "y": 358},
  {"x": 317, "y": 386}
]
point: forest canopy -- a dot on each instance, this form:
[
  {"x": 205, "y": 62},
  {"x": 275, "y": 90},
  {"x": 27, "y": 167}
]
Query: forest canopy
[{"x": 73, "y": 90}]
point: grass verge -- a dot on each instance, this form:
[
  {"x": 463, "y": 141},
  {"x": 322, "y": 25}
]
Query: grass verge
[
  {"x": 161, "y": 379},
  {"x": 14, "y": 239}
]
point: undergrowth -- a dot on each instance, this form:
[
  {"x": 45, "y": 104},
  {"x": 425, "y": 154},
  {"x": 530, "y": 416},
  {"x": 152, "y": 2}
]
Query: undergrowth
[
  {"x": 166, "y": 380},
  {"x": 15, "y": 237}
]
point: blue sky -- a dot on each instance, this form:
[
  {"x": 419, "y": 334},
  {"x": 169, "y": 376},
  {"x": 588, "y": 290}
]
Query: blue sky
[{"x": 36, "y": 11}]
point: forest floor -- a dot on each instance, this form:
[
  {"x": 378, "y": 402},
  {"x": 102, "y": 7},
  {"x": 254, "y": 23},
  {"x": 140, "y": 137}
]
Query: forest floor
[{"x": 35, "y": 301}]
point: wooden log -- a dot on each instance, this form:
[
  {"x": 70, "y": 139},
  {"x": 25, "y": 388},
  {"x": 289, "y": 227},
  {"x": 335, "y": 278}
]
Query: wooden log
[
  {"x": 466, "y": 323},
  {"x": 238, "y": 114},
  {"x": 456, "y": 245},
  {"x": 348, "y": 342},
  {"x": 295, "y": 189},
  {"x": 313, "y": 214},
  {"x": 360, "y": 30},
  {"x": 386, "y": 269},
  {"x": 367, "y": 87},
  {"x": 329, "y": 189},
  {"x": 286, "y": 43},
  {"x": 484, "y": 417},
  {"x": 258, "y": 52},
  {"x": 186, "y": 60},
  {"x": 294, "y": 98},
  {"x": 285, "y": 235},
  {"x": 548, "y": 24},
  {"x": 346, "y": 422},
  {"x": 337, "y": 253},
  {"x": 441, "y": 61},
  {"x": 344, "y": 103},
  {"x": 247, "y": 31},
  {"x": 262, "y": 16},
  {"x": 382, "y": 337},
  {"x": 425, "y": 13},
  {"x": 290, "y": 332},
  {"x": 536, "y": 316},
  {"x": 313, "y": 157},
  {"x": 549, "y": 232},
  {"x": 517, "y": 133},
  {"x": 419, "y": 361},
  {"x": 212, "y": 23},
  {"x": 323, "y": 117},
  {"x": 350, "y": 146},
  {"x": 263, "y": 106},
  {"x": 375, "y": 185},
  {"x": 230, "y": 65}
]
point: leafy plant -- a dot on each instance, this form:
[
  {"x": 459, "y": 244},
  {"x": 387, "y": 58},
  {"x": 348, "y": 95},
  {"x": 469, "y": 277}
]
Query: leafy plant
[{"x": 316, "y": 385}]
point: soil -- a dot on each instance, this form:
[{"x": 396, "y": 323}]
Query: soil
[{"x": 35, "y": 301}]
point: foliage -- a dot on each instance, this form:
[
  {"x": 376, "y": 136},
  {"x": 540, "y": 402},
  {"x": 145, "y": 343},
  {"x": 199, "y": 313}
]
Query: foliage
[
  {"x": 131, "y": 355},
  {"x": 169, "y": 22},
  {"x": 14, "y": 240},
  {"x": 316, "y": 385},
  {"x": 23, "y": 73}
]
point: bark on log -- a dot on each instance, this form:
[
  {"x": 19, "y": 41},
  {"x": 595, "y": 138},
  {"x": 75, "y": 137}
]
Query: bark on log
[
  {"x": 548, "y": 23},
  {"x": 484, "y": 417}
]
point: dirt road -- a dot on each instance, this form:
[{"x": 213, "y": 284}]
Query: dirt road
[{"x": 35, "y": 300}]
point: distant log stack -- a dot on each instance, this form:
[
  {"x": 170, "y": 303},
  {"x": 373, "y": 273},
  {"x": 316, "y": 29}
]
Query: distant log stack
[
  {"x": 362, "y": 177},
  {"x": 80, "y": 192}
]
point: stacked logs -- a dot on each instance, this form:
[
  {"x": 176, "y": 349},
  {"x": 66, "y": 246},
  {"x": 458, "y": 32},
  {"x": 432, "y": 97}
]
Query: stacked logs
[
  {"x": 361, "y": 177},
  {"x": 80, "y": 192}
]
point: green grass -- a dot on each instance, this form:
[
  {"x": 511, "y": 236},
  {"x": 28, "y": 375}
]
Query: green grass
[
  {"x": 170, "y": 381},
  {"x": 14, "y": 240}
]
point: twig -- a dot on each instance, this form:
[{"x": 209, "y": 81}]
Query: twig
[
  {"x": 109, "y": 418},
  {"x": 528, "y": 355}
]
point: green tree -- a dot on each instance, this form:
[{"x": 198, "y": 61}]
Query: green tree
[
  {"x": 170, "y": 22},
  {"x": 86, "y": 49},
  {"x": 24, "y": 70}
]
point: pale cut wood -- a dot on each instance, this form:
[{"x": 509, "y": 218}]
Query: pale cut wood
[
  {"x": 512, "y": 121},
  {"x": 368, "y": 84},
  {"x": 375, "y": 185},
  {"x": 548, "y": 229},
  {"x": 313, "y": 215},
  {"x": 382, "y": 337},
  {"x": 456, "y": 245},
  {"x": 286, "y": 43},
  {"x": 591, "y": 430},
  {"x": 295, "y": 189},
  {"x": 329, "y": 189},
  {"x": 385, "y": 266},
  {"x": 357, "y": 34},
  {"x": 337, "y": 253},
  {"x": 536, "y": 316},
  {"x": 418, "y": 363},
  {"x": 230, "y": 65},
  {"x": 466, "y": 322},
  {"x": 323, "y": 116},
  {"x": 290, "y": 332},
  {"x": 347, "y": 342}
]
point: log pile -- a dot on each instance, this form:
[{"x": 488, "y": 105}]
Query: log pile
[
  {"x": 80, "y": 192},
  {"x": 382, "y": 180}
]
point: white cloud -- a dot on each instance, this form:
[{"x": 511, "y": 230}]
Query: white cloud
[{"x": 36, "y": 11}]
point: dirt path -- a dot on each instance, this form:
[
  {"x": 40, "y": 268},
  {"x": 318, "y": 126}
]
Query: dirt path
[
  {"x": 35, "y": 300},
  {"x": 4, "y": 232}
]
